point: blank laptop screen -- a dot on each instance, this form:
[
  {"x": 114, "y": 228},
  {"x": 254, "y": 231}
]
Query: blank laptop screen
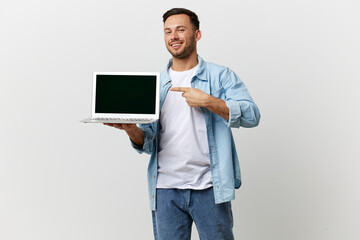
[{"x": 128, "y": 94}]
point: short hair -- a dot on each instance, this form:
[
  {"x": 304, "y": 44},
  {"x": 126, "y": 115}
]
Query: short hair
[{"x": 175, "y": 11}]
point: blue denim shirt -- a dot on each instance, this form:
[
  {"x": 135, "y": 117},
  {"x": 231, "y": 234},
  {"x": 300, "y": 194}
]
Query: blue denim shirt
[{"x": 224, "y": 84}]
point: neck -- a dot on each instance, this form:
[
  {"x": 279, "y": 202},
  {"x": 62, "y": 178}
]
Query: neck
[{"x": 183, "y": 64}]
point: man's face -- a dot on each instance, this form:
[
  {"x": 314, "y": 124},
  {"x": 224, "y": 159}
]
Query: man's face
[{"x": 180, "y": 36}]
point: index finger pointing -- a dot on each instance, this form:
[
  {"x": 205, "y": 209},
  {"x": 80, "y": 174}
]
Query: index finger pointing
[{"x": 179, "y": 89}]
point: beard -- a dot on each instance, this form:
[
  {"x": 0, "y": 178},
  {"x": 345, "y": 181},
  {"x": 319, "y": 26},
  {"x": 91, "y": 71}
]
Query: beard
[{"x": 186, "y": 51}]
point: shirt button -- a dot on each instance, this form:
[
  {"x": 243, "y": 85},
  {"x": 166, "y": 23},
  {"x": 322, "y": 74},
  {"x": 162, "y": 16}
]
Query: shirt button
[
  {"x": 152, "y": 196},
  {"x": 154, "y": 176}
]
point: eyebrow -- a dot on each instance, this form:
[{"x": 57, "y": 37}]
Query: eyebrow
[{"x": 180, "y": 26}]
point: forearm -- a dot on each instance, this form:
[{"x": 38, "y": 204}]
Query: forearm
[
  {"x": 136, "y": 135},
  {"x": 217, "y": 106}
]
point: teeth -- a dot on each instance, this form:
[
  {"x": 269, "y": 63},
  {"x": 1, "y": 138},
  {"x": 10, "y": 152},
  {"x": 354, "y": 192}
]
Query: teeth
[{"x": 175, "y": 45}]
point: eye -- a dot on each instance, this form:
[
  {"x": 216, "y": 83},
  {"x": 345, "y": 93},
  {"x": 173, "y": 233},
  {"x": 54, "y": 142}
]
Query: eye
[{"x": 181, "y": 30}]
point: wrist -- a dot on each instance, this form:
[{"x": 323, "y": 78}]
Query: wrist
[
  {"x": 136, "y": 135},
  {"x": 209, "y": 101}
]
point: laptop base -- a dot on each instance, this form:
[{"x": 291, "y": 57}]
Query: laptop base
[{"x": 130, "y": 121}]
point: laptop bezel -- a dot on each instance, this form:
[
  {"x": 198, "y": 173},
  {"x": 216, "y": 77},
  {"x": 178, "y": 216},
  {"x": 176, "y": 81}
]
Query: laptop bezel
[{"x": 123, "y": 115}]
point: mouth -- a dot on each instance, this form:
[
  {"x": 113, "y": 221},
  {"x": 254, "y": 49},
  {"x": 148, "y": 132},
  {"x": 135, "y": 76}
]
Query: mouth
[{"x": 176, "y": 45}]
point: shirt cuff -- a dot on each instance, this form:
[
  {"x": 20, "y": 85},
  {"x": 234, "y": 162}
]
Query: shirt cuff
[{"x": 234, "y": 113}]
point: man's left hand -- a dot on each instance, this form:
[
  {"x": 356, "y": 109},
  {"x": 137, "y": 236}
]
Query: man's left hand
[
  {"x": 193, "y": 96},
  {"x": 197, "y": 98}
]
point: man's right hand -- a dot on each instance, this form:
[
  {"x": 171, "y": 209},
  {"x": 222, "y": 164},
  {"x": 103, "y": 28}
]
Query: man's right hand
[
  {"x": 135, "y": 133},
  {"x": 122, "y": 126}
]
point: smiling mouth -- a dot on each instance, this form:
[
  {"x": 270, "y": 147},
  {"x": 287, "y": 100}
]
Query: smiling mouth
[{"x": 175, "y": 45}]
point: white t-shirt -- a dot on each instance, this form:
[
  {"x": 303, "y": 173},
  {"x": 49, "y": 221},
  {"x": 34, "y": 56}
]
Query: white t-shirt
[{"x": 183, "y": 157}]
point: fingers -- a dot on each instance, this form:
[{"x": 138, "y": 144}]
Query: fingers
[{"x": 180, "y": 89}]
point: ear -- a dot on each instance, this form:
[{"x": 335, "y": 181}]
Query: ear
[{"x": 197, "y": 35}]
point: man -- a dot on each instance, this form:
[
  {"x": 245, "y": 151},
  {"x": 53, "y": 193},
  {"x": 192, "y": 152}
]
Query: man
[{"x": 193, "y": 169}]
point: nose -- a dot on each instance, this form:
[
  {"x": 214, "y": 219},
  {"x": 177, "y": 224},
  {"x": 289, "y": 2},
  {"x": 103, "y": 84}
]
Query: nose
[{"x": 174, "y": 35}]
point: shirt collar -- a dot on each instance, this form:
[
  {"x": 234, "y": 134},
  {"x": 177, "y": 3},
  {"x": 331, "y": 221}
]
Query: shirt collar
[{"x": 201, "y": 73}]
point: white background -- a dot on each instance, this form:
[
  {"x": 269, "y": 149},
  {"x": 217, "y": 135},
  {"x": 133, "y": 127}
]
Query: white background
[{"x": 62, "y": 179}]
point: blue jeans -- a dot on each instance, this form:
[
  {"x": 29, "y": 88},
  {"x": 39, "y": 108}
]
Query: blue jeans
[{"x": 176, "y": 209}]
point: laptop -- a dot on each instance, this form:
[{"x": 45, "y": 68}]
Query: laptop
[{"x": 125, "y": 97}]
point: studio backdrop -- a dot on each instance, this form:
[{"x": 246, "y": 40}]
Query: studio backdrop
[{"x": 62, "y": 179}]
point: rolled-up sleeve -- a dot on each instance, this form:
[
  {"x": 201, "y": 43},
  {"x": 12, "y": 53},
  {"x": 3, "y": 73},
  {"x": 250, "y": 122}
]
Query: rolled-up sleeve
[
  {"x": 243, "y": 112},
  {"x": 149, "y": 139}
]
